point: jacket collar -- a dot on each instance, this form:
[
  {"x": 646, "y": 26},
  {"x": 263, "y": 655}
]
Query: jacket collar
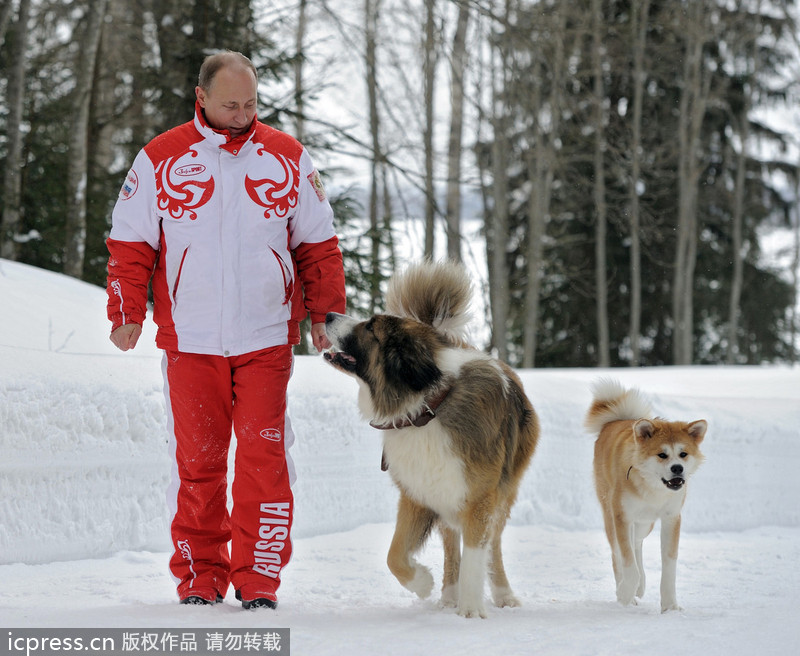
[{"x": 222, "y": 138}]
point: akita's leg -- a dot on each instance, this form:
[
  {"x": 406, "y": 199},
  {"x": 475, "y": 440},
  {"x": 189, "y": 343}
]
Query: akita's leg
[
  {"x": 414, "y": 524},
  {"x": 641, "y": 531},
  {"x": 475, "y": 519},
  {"x": 451, "y": 540},
  {"x": 628, "y": 572},
  {"x": 608, "y": 522},
  {"x": 502, "y": 594},
  {"x": 670, "y": 537},
  {"x": 640, "y": 568}
]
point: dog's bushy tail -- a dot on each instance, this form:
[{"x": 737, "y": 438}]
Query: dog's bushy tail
[
  {"x": 612, "y": 402},
  {"x": 435, "y": 293}
]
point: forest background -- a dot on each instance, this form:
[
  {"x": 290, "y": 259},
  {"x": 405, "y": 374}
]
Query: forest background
[{"x": 612, "y": 167}]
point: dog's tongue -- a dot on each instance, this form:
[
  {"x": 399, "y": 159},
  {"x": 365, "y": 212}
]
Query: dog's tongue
[{"x": 340, "y": 359}]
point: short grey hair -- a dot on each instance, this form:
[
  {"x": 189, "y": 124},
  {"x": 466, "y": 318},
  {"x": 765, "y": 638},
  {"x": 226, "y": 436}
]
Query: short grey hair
[{"x": 213, "y": 63}]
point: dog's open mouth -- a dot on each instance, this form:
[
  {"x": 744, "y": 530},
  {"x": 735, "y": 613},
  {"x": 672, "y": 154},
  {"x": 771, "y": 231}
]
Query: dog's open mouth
[
  {"x": 341, "y": 360},
  {"x": 674, "y": 483}
]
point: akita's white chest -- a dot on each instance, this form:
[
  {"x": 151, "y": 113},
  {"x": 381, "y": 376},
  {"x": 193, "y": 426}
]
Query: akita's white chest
[
  {"x": 422, "y": 462},
  {"x": 653, "y": 505}
]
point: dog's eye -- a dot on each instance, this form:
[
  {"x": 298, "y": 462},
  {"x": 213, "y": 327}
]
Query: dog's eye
[
  {"x": 683, "y": 454},
  {"x": 663, "y": 456},
  {"x": 369, "y": 327}
]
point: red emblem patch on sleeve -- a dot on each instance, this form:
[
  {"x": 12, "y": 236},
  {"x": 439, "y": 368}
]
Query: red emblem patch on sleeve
[{"x": 316, "y": 183}]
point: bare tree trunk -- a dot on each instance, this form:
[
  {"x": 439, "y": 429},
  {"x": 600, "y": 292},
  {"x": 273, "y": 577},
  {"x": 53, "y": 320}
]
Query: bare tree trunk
[
  {"x": 540, "y": 164},
  {"x": 371, "y": 12},
  {"x": 603, "y": 347},
  {"x": 497, "y": 238},
  {"x": 738, "y": 253},
  {"x": 639, "y": 20},
  {"x": 795, "y": 319},
  {"x": 12, "y": 175},
  {"x": 497, "y": 222},
  {"x": 388, "y": 238},
  {"x": 5, "y": 18},
  {"x": 299, "y": 60},
  {"x": 536, "y": 229},
  {"x": 454, "y": 145},
  {"x": 487, "y": 184},
  {"x": 429, "y": 79},
  {"x": 121, "y": 45},
  {"x": 694, "y": 97},
  {"x": 78, "y": 167}
]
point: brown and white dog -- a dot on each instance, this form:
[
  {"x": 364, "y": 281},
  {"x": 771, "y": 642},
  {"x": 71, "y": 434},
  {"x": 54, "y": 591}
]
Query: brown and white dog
[
  {"x": 458, "y": 430},
  {"x": 641, "y": 468}
]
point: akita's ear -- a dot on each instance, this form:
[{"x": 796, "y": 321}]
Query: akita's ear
[
  {"x": 410, "y": 363},
  {"x": 643, "y": 429},
  {"x": 697, "y": 430}
]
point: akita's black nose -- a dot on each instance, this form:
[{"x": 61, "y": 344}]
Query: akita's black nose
[{"x": 676, "y": 469}]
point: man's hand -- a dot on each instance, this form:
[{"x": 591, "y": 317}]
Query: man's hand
[
  {"x": 319, "y": 337},
  {"x": 125, "y": 337}
]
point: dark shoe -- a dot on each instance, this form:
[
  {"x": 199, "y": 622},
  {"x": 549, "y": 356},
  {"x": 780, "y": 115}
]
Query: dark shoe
[
  {"x": 258, "y": 602},
  {"x": 194, "y": 600}
]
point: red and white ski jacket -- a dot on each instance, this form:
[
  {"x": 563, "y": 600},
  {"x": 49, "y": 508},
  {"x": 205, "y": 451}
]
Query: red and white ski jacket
[{"x": 237, "y": 236}]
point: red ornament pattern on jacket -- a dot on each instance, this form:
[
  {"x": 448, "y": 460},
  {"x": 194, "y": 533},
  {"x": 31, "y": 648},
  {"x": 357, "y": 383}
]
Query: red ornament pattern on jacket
[{"x": 278, "y": 197}]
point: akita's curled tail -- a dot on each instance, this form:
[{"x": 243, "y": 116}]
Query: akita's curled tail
[
  {"x": 435, "y": 293},
  {"x": 612, "y": 402}
]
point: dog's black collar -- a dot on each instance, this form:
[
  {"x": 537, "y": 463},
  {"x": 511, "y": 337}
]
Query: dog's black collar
[{"x": 428, "y": 412}]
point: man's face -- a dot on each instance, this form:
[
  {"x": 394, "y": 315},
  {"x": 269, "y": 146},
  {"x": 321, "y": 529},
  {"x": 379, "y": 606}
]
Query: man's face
[{"x": 230, "y": 103}]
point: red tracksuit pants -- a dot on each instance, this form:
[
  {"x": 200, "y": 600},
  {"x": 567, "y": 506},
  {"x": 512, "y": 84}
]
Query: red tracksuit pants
[{"x": 207, "y": 397}]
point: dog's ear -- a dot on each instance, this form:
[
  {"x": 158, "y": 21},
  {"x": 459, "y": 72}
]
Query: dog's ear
[
  {"x": 643, "y": 429},
  {"x": 697, "y": 430},
  {"x": 409, "y": 363}
]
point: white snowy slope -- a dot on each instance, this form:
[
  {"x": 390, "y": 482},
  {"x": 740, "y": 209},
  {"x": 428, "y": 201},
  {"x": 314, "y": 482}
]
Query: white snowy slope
[{"x": 83, "y": 540}]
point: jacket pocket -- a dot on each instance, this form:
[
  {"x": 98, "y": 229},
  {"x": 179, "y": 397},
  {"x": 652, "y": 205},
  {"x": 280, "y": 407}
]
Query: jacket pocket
[
  {"x": 177, "y": 281},
  {"x": 288, "y": 277}
]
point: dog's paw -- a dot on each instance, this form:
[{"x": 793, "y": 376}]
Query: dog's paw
[
  {"x": 469, "y": 610},
  {"x": 422, "y": 583},
  {"x": 470, "y": 600},
  {"x": 626, "y": 592},
  {"x": 449, "y": 597},
  {"x": 667, "y": 606},
  {"x": 505, "y": 598}
]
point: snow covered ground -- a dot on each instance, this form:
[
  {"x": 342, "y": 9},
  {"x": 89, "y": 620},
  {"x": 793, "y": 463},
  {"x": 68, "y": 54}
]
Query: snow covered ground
[{"x": 83, "y": 540}]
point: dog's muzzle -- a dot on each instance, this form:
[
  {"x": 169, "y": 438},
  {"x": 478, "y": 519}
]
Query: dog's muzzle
[{"x": 674, "y": 483}]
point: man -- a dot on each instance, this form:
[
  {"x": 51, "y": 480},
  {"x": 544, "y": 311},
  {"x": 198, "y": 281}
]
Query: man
[{"x": 229, "y": 218}]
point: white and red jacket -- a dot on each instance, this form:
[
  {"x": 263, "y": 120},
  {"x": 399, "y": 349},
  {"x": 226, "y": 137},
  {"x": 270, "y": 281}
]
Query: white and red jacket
[{"x": 237, "y": 236}]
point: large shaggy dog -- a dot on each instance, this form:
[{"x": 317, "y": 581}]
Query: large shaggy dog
[
  {"x": 642, "y": 466},
  {"x": 457, "y": 427}
]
